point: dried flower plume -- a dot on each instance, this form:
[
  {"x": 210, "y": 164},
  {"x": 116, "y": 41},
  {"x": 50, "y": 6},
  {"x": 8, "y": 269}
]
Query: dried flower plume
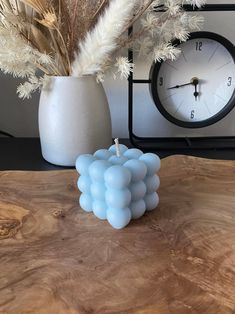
[{"x": 80, "y": 37}]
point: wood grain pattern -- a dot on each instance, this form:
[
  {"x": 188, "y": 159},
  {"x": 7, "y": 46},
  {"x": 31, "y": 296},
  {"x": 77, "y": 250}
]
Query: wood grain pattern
[{"x": 180, "y": 258}]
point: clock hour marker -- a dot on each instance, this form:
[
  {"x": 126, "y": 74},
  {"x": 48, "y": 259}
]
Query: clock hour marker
[
  {"x": 207, "y": 107},
  {"x": 181, "y": 104},
  {"x": 169, "y": 96},
  {"x": 222, "y": 66},
  {"x": 213, "y": 53},
  {"x": 184, "y": 57},
  {"x": 172, "y": 66},
  {"x": 220, "y": 97}
]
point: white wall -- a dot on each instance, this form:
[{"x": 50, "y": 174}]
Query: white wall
[{"x": 20, "y": 117}]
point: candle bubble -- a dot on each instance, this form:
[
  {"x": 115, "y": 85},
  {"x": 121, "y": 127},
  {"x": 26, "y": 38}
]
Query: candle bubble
[
  {"x": 118, "y": 160},
  {"x": 118, "y": 218},
  {"x": 118, "y": 198},
  {"x": 83, "y": 162},
  {"x": 97, "y": 169},
  {"x": 98, "y": 190},
  {"x": 151, "y": 201},
  {"x": 133, "y": 153},
  {"x": 137, "y": 168},
  {"x": 100, "y": 209},
  {"x": 84, "y": 183},
  {"x": 137, "y": 208},
  {"x": 152, "y": 183},
  {"x": 117, "y": 177},
  {"x": 103, "y": 154},
  {"x": 85, "y": 202},
  {"x": 122, "y": 148},
  {"x": 138, "y": 190},
  {"x": 152, "y": 162}
]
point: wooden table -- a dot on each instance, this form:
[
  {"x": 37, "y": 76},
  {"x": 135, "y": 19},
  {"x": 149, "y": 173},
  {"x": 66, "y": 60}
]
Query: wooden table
[{"x": 180, "y": 258}]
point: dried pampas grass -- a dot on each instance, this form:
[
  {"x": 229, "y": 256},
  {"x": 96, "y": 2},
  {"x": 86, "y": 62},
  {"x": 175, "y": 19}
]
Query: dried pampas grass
[
  {"x": 40, "y": 6},
  {"x": 80, "y": 37}
]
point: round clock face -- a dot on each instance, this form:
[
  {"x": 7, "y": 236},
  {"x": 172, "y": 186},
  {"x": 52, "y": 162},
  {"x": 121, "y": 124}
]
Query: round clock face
[{"x": 198, "y": 88}]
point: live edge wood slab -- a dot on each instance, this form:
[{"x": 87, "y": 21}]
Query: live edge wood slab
[{"x": 180, "y": 258}]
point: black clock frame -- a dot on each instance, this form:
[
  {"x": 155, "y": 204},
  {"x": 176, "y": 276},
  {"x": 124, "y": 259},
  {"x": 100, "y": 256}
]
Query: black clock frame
[
  {"x": 177, "y": 144},
  {"x": 154, "y": 73}
]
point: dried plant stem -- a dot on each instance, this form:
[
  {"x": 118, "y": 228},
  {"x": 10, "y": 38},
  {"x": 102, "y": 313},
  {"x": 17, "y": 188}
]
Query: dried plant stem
[
  {"x": 72, "y": 40},
  {"x": 53, "y": 67},
  {"x": 28, "y": 40},
  {"x": 74, "y": 15},
  {"x": 15, "y": 8},
  {"x": 58, "y": 48},
  {"x": 5, "y": 3},
  {"x": 43, "y": 69},
  {"x": 59, "y": 13},
  {"x": 130, "y": 39},
  {"x": 80, "y": 37},
  {"x": 51, "y": 70},
  {"x": 66, "y": 54},
  {"x": 137, "y": 16},
  {"x": 100, "y": 8}
]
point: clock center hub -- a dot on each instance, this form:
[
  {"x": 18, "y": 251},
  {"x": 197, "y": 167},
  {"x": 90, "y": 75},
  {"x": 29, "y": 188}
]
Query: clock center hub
[{"x": 195, "y": 81}]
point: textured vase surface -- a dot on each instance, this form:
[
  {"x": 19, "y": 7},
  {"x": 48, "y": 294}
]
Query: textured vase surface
[{"x": 74, "y": 119}]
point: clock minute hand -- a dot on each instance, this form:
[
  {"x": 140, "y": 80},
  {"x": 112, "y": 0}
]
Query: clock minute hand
[{"x": 182, "y": 85}]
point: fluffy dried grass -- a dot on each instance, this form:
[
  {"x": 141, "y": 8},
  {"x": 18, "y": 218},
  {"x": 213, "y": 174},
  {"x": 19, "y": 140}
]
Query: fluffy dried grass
[
  {"x": 79, "y": 37},
  {"x": 55, "y": 27}
]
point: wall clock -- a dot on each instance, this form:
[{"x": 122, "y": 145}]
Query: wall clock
[
  {"x": 194, "y": 96},
  {"x": 197, "y": 89}
]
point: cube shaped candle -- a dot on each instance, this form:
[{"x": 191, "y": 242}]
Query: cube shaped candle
[{"x": 118, "y": 184}]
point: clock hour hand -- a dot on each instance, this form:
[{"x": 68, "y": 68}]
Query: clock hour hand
[{"x": 195, "y": 82}]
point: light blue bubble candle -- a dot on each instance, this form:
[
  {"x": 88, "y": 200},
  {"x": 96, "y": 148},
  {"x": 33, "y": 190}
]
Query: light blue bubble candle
[{"x": 118, "y": 184}]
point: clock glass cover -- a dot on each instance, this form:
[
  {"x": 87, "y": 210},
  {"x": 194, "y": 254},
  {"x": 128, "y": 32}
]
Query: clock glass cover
[{"x": 197, "y": 89}]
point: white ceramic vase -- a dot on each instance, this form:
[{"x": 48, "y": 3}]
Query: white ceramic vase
[{"x": 74, "y": 119}]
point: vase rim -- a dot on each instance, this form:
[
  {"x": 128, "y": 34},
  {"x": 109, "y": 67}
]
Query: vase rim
[{"x": 74, "y": 77}]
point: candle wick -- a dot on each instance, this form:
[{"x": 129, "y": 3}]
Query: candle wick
[{"x": 118, "y": 153}]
